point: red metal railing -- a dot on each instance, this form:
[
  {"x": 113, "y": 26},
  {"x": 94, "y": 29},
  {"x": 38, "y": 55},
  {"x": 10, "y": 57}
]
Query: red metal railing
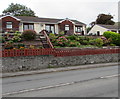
[{"x": 56, "y": 52}]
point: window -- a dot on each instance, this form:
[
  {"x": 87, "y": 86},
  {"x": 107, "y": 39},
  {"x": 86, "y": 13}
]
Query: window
[
  {"x": 47, "y": 27},
  {"x": 67, "y": 28},
  {"x": 114, "y": 30},
  {"x": 28, "y": 26},
  {"x": 31, "y": 27},
  {"x": 78, "y": 29},
  {"x": 50, "y": 28},
  {"x": 9, "y": 25},
  {"x": 119, "y": 31},
  {"x": 25, "y": 27}
]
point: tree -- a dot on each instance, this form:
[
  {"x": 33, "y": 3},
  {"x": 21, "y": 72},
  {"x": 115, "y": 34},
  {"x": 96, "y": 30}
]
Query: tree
[
  {"x": 18, "y": 10},
  {"x": 104, "y": 19}
]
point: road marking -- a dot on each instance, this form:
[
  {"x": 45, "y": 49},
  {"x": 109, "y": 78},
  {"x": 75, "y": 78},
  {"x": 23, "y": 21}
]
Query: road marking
[
  {"x": 58, "y": 85},
  {"x": 41, "y": 88},
  {"x": 110, "y": 76}
]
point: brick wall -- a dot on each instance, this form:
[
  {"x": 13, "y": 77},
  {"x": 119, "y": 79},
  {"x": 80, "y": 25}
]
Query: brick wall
[
  {"x": 66, "y": 22},
  {"x": 15, "y": 23}
]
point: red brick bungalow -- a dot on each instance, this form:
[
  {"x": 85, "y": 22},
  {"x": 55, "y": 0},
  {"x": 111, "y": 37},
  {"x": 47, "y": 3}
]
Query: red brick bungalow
[{"x": 21, "y": 23}]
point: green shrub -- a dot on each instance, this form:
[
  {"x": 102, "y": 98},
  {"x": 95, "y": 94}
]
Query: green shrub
[
  {"x": 21, "y": 45},
  {"x": 114, "y": 36},
  {"x": 92, "y": 42},
  {"x": 112, "y": 45},
  {"x": 99, "y": 42},
  {"x": 107, "y": 41},
  {"x": 62, "y": 41},
  {"x": 2, "y": 39},
  {"x": 16, "y": 37},
  {"x": 61, "y": 33},
  {"x": 29, "y": 35},
  {"x": 72, "y": 37},
  {"x": 84, "y": 42},
  {"x": 53, "y": 38},
  {"x": 84, "y": 38},
  {"x": 73, "y": 43},
  {"x": 9, "y": 45}
]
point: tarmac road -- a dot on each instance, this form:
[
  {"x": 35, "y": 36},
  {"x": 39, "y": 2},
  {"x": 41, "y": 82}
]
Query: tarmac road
[{"x": 94, "y": 82}]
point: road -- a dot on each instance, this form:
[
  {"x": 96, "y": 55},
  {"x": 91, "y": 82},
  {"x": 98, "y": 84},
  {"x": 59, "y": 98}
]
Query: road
[{"x": 95, "y": 82}]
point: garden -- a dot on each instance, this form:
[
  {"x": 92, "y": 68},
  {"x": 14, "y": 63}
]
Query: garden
[
  {"x": 18, "y": 40},
  {"x": 108, "y": 39}
]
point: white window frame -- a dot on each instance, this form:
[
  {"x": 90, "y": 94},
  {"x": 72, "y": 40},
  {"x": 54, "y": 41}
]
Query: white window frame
[
  {"x": 9, "y": 25},
  {"x": 67, "y": 27}
]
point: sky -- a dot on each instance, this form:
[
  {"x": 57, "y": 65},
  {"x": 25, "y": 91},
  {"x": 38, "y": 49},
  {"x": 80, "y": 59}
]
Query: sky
[{"x": 85, "y": 11}]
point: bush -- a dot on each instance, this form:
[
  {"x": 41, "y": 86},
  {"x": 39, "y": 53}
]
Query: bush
[
  {"x": 84, "y": 42},
  {"x": 112, "y": 45},
  {"x": 92, "y": 42},
  {"x": 2, "y": 39},
  {"x": 29, "y": 35},
  {"x": 99, "y": 42},
  {"x": 72, "y": 37},
  {"x": 16, "y": 37},
  {"x": 114, "y": 36},
  {"x": 73, "y": 43},
  {"x": 62, "y": 41},
  {"x": 21, "y": 45},
  {"x": 9, "y": 45},
  {"x": 53, "y": 38},
  {"x": 61, "y": 33}
]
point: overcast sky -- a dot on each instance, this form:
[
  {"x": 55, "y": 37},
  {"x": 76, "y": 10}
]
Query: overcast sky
[{"x": 85, "y": 11}]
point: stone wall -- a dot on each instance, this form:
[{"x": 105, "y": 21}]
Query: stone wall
[{"x": 13, "y": 64}]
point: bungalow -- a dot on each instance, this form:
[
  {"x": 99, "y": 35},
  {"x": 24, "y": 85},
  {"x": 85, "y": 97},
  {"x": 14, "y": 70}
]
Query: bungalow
[
  {"x": 99, "y": 29},
  {"x": 21, "y": 23}
]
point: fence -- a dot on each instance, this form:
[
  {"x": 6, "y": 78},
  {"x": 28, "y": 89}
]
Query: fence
[
  {"x": 85, "y": 52},
  {"x": 26, "y": 52},
  {"x": 56, "y": 52}
]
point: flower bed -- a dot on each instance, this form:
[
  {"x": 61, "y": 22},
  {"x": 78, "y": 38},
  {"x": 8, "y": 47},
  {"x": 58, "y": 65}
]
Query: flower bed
[
  {"x": 88, "y": 41},
  {"x": 17, "y": 41}
]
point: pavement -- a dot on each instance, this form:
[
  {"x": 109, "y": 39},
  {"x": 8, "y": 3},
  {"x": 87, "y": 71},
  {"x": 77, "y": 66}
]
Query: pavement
[{"x": 50, "y": 70}]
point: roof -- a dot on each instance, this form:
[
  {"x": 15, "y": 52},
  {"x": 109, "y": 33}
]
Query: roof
[
  {"x": 117, "y": 23},
  {"x": 0, "y": 16},
  {"x": 45, "y": 20},
  {"x": 109, "y": 26},
  {"x": 3, "y": 16}
]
